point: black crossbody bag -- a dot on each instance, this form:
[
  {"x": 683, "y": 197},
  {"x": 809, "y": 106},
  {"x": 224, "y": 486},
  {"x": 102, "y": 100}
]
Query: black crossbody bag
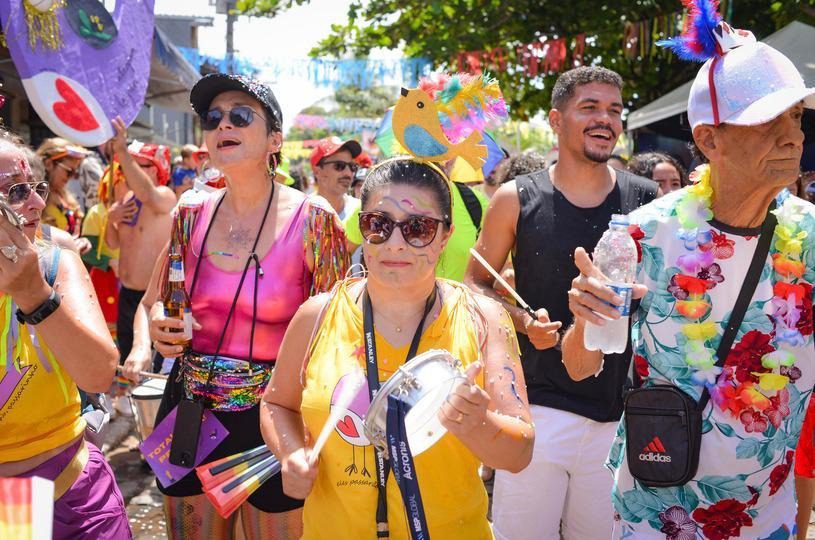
[{"x": 663, "y": 424}]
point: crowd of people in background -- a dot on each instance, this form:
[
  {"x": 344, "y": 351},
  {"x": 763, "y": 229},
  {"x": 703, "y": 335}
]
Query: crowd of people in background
[{"x": 287, "y": 272}]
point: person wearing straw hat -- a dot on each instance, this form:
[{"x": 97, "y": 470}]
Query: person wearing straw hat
[{"x": 725, "y": 320}]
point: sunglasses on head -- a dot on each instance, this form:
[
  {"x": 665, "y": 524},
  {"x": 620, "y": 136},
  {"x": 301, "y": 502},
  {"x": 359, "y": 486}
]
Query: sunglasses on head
[
  {"x": 19, "y": 193},
  {"x": 418, "y": 231},
  {"x": 240, "y": 116},
  {"x": 70, "y": 170},
  {"x": 340, "y": 166}
]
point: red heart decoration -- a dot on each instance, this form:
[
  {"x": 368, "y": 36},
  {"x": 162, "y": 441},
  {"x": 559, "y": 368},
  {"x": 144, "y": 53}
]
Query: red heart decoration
[
  {"x": 347, "y": 427},
  {"x": 72, "y": 111}
]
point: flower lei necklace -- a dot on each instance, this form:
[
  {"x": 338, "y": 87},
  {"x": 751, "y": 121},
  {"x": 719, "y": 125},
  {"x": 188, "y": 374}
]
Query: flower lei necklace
[{"x": 754, "y": 378}]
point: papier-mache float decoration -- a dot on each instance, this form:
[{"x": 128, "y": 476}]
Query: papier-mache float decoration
[
  {"x": 80, "y": 65},
  {"x": 445, "y": 117}
]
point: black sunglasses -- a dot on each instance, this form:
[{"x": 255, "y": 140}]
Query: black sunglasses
[
  {"x": 240, "y": 116},
  {"x": 418, "y": 231},
  {"x": 340, "y": 166},
  {"x": 19, "y": 193}
]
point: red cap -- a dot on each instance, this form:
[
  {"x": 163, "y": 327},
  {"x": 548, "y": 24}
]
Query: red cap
[
  {"x": 331, "y": 145},
  {"x": 158, "y": 154}
]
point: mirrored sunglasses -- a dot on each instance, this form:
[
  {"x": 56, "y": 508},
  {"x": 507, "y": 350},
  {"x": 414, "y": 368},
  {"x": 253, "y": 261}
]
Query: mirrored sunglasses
[{"x": 418, "y": 231}]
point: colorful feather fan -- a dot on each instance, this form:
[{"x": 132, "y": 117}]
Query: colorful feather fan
[
  {"x": 228, "y": 482},
  {"x": 465, "y": 103},
  {"x": 697, "y": 43}
]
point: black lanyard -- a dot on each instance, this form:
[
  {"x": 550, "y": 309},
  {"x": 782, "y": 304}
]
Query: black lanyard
[
  {"x": 258, "y": 272},
  {"x": 372, "y": 373}
]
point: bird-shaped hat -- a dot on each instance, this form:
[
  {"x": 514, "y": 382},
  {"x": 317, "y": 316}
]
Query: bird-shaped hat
[{"x": 445, "y": 117}]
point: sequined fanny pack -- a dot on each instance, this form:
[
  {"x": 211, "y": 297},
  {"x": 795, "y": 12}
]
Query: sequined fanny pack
[{"x": 235, "y": 385}]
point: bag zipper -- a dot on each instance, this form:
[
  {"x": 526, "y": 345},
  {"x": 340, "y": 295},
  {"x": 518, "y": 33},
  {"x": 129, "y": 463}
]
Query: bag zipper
[{"x": 657, "y": 412}]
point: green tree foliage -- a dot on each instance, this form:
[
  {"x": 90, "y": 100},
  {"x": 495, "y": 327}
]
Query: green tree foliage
[{"x": 440, "y": 30}]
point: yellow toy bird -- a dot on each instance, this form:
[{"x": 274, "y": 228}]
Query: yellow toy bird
[{"x": 458, "y": 108}]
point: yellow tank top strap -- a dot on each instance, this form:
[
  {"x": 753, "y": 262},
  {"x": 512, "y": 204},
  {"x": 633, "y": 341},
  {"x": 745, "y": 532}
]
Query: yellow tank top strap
[{"x": 29, "y": 371}]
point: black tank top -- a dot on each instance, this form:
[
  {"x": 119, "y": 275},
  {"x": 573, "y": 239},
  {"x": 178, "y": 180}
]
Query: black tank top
[{"x": 548, "y": 231}]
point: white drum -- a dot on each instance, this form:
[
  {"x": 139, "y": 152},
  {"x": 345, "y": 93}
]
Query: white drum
[
  {"x": 145, "y": 399},
  {"x": 424, "y": 383}
]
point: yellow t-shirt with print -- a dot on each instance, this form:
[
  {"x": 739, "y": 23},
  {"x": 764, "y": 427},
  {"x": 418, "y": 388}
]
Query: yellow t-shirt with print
[
  {"x": 39, "y": 401},
  {"x": 342, "y": 503}
]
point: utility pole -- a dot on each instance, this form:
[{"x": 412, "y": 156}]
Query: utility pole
[{"x": 230, "y": 48}]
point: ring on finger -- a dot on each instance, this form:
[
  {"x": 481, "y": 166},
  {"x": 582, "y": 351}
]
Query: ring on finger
[{"x": 10, "y": 253}]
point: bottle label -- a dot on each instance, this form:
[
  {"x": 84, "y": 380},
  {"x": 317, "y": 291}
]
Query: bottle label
[
  {"x": 188, "y": 323},
  {"x": 623, "y": 290},
  {"x": 177, "y": 272}
]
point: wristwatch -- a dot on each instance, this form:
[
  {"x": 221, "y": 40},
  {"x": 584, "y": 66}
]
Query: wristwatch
[{"x": 42, "y": 312}]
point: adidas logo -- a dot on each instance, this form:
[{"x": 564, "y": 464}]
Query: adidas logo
[{"x": 655, "y": 451}]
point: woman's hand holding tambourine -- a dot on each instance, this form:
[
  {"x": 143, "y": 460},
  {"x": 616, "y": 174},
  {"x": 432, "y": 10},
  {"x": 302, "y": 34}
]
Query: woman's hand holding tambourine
[{"x": 466, "y": 407}]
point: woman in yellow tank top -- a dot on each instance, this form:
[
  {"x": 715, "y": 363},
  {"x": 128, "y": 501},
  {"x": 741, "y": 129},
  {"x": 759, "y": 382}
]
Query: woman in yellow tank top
[
  {"x": 486, "y": 417},
  {"x": 52, "y": 338}
]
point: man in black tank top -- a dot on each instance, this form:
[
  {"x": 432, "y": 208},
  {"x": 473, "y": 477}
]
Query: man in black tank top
[{"x": 541, "y": 218}]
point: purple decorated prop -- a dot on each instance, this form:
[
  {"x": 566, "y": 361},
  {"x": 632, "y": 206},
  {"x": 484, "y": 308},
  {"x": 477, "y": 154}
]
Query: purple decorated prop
[
  {"x": 156, "y": 447},
  {"x": 98, "y": 70}
]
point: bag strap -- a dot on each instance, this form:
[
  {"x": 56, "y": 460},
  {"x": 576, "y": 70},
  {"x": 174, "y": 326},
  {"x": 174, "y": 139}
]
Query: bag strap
[
  {"x": 472, "y": 204},
  {"x": 745, "y": 295},
  {"x": 51, "y": 269}
]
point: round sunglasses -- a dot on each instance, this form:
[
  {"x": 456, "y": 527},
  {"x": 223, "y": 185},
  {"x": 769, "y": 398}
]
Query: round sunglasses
[
  {"x": 19, "y": 193},
  {"x": 418, "y": 231},
  {"x": 241, "y": 116}
]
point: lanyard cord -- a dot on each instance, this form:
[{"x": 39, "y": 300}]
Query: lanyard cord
[
  {"x": 252, "y": 257},
  {"x": 372, "y": 373}
]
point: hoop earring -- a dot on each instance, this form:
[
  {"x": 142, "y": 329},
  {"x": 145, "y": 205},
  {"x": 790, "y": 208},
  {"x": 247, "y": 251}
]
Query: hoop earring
[{"x": 271, "y": 165}]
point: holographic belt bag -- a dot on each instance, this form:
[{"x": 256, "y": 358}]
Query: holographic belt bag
[{"x": 224, "y": 384}]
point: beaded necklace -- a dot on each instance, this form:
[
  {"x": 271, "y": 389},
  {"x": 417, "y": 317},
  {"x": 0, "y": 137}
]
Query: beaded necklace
[{"x": 761, "y": 389}]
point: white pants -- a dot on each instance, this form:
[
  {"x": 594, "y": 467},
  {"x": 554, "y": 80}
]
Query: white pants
[{"x": 566, "y": 483}]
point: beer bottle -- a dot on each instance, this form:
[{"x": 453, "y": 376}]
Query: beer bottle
[{"x": 176, "y": 301}]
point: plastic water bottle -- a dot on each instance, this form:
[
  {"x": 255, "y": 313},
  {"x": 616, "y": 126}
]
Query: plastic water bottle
[{"x": 616, "y": 257}]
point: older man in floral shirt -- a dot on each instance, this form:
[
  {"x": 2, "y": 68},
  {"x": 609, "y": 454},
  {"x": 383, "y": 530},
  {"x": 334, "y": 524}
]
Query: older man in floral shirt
[{"x": 745, "y": 109}]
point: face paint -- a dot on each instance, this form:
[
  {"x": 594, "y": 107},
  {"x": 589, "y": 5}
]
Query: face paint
[
  {"x": 408, "y": 206},
  {"x": 422, "y": 203},
  {"x": 511, "y": 373}
]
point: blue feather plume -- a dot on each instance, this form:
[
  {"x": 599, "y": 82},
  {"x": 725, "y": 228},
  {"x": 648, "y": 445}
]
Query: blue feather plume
[{"x": 697, "y": 42}]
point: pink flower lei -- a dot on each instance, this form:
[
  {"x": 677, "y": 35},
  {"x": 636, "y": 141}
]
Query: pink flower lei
[{"x": 766, "y": 380}]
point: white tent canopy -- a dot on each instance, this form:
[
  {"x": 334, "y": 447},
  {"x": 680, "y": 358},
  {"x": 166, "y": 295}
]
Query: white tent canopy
[{"x": 796, "y": 41}]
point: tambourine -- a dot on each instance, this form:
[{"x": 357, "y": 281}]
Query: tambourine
[{"x": 424, "y": 383}]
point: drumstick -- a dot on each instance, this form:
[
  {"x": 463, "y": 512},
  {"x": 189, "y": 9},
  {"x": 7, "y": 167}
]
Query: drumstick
[
  {"x": 347, "y": 395},
  {"x": 503, "y": 283},
  {"x": 147, "y": 374}
]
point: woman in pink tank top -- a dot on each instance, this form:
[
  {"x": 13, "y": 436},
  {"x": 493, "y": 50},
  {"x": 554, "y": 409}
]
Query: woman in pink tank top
[{"x": 255, "y": 252}]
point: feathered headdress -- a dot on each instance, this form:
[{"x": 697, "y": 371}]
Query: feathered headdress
[
  {"x": 697, "y": 43},
  {"x": 465, "y": 103},
  {"x": 705, "y": 35}
]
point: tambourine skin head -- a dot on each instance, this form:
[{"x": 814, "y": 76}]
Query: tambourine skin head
[{"x": 424, "y": 383}]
